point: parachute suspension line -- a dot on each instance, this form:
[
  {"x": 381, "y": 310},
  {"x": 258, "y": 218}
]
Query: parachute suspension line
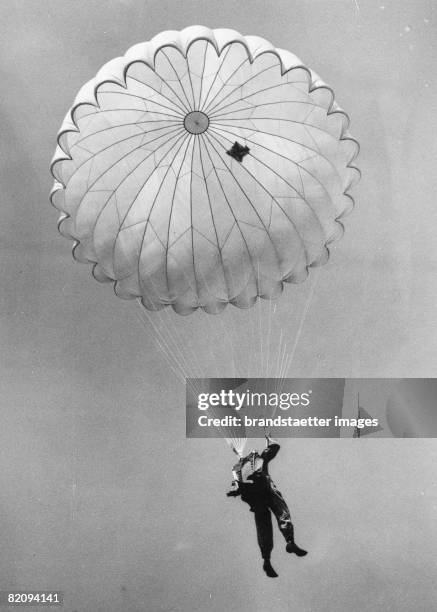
[
  {"x": 277, "y": 370},
  {"x": 280, "y": 371},
  {"x": 266, "y": 343},
  {"x": 193, "y": 366},
  {"x": 228, "y": 432},
  {"x": 278, "y": 348},
  {"x": 266, "y": 432},
  {"x": 254, "y": 333},
  {"x": 185, "y": 348},
  {"x": 167, "y": 344},
  {"x": 285, "y": 370},
  {"x": 283, "y": 362},
  {"x": 302, "y": 320},
  {"x": 260, "y": 331},
  {"x": 269, "y": 337},
  {"x": 162, "y": 343},
  {"x": 230, "y": 343},
  {"x": 228, "y": 337},
  {"x": 178, "y": 349},
  {"x": 211, "y": 345},
  {"x": 163, "y": 351},
  {"x": 237, "y": 445},
  {"x": 248, "y": 352},
  {"x": 174, "y": 365},
  {"x": 283, "y": 358}
]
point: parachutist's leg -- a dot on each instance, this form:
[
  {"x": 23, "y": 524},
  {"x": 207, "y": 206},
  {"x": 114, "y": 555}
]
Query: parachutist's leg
[
  {"x": 264, "y": 530},
  {"x": 280, "y": 509}
]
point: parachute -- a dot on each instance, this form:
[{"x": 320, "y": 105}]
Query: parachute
[
  {"x": 204, "y": 168},
  {"x": 151, "y": 197}
]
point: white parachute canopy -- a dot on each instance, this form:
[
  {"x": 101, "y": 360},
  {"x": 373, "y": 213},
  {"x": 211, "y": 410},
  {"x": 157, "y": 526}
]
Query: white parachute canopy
[{"x": 203, "y": 168}]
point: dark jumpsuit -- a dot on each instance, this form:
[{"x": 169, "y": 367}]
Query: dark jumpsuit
[{"x": 252, "y": 481}]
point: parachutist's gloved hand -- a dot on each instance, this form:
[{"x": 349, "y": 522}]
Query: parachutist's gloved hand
[
  {"x": 234, "y": 491},
  {"x": 267, "y": 567}
]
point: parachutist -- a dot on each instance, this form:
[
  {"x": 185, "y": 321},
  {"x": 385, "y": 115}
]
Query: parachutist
[
  {"x": 251, "y": 480},
  {"x": 237, "y": 151}
]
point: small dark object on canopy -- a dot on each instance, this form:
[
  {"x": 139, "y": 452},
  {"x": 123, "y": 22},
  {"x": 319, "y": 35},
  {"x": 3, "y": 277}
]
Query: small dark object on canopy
[{"x": 237, "y": 151}]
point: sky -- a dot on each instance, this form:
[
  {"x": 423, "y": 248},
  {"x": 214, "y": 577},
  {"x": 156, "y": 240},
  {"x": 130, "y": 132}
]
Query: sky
[{"x": 102, "y": 496}]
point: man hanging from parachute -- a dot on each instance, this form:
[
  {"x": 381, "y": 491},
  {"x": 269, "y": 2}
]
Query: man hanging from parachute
[
  {"x": 147, "y": 189},
  {"x": 251, "y": 481}
]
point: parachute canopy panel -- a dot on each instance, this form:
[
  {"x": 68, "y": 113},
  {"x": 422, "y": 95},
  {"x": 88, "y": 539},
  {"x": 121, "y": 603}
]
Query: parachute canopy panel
[{"x": 203, "y": 168}]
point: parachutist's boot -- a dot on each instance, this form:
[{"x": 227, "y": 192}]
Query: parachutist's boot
[
  {"x": 294, "y": 548},
  {"x": 267, "y": 567}
]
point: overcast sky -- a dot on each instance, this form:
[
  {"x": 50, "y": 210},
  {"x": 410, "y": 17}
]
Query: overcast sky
[{"x": 101, "y": 494}]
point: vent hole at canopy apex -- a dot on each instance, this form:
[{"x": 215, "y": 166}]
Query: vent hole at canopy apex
[{"x": 196, "y": 122}]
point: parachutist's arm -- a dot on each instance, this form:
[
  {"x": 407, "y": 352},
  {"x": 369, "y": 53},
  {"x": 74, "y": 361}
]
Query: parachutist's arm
[
  {"x": 271, "y": 449},
  {"x": 234, "y": 491},
  {"x": 235, "y": 487}
]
